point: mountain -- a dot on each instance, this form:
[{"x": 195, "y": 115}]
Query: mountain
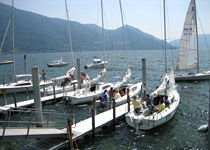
[
  {"x": 36, "y": 33},
  {"x": 203, "y": 41}
]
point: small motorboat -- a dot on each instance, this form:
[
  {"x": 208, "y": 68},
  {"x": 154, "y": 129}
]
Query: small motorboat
[
  {"x": 203, "y": 128},
  {"x": 97, "y": 63}
]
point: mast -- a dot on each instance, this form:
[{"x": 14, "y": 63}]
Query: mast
[
  {"x": 69, "y": 31},
  {"x": 196, "y": 35},
  {"x": 13, "y": 41},
  {"x": 126, "y": 48},
  {"x": 102, "y": 18},
  {"x": 165, "y": 35}
]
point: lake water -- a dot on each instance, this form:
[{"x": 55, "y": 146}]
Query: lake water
[{"x": 178, "y": 133}]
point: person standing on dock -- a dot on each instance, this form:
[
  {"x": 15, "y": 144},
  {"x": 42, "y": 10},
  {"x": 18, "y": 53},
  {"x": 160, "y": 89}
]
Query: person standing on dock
[{"x": 44, "y": 75}]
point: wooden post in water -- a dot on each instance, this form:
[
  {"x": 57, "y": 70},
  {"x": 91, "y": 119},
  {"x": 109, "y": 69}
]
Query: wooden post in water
[
  {"x": 10, "y": 78},
  {"x": 144, "y": 77},
  {"x": 15, "y": 99},
  {"x": 70, "y": 135},
  {"x": 93, "y": 122},
  {"x": 110, "y": 100},
  {"x": 209, "y": 119},
  {"x": 94, "y": 104},
  {"x": 3, "y": 82},
  {"x": 27, "y": 97},
  {"x": 25, "y": 66},
  {"x": 43, "y": 90},
  {"x": 5, "y": 97},
  {"x": 114, "y": 113},
  {"x": 37, "y": 96},
  {"x": 78, "y": 73},
  {"x": 128, "y": 100},
  {"x": 54, "y": 93},
  {"x": 72, "y": 113}
]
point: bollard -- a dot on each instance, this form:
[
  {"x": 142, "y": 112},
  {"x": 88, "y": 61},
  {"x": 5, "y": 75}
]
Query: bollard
[
  {"x": 114, "y": 113},
  {"x": 15, "y": 99},
  {"x": 3, "y": 82},
  {"x": 78, "y": 73},
  {"x": 144, "y": 78},
  {"x": 25, "y": 66},
  {"x": 128, "y": 100},
  {"x": 93, "y": 122},
  {"x": 37, "y": 96}
]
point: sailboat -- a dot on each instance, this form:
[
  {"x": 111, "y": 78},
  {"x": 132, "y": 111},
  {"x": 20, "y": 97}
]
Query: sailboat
[
  {"x": 58, "y": 63},
  {"x": 147, "y": 119},
  {"x": 189, "y": 53},
  {"x": 19, "y": 85}
]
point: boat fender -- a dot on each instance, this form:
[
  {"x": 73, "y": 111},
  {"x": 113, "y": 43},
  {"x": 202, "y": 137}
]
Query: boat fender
[{"x": 203, "y": 128}]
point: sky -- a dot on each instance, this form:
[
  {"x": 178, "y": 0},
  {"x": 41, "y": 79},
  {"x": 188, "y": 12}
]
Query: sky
[{"x": 146, "y": 15}]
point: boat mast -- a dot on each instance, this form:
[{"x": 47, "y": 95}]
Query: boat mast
[
  {"x": 13, "y": 41},
  {"x": 102, "y": 18},
  {"x": 126, "y": 48},
  {"x": 69, "y": 31},
  {"x": 196, "y": 35},
  {"x": 165, "y": 35}
]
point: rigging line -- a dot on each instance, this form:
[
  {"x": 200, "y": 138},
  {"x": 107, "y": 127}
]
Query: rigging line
[
  {"x": 165, "y": 36},
  {"x": 13, "y": 41},
  {"x": 70, "y": 40},
  {"x": 203, "y": 31}
]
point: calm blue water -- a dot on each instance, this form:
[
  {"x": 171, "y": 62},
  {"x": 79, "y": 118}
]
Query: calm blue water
[{"x": 179, "y": 133}]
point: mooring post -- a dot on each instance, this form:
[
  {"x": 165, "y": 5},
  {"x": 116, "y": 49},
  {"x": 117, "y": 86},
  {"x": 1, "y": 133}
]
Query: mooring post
[
  {"x": 25, "y": 66},
  {"x": 110, "y": 100},
  {"x": 72, "y": 113},
  {"x": 37, "y": 96},
  {"x": 15, "y": 99},
  {"x": 5, "y": 97},
  {"x": 209, "y": 118},
  {"x": 54, "y": 93},
  {"x": 94, "y": 104},
  {"x": 10, "y": 78},
  {"x": 128, "y": 100},
  {"x": 43, "y": 90},
  {"x": 3, "y": 82},
  {"x": 70, "y": 135},
  {"x": 27, "y": 97},
  {"x": 114, "y": 113},
  {"x": 144, "y": 77},
  {"x": 78, "y": 73},
  {"x": 93, "y": 122}
]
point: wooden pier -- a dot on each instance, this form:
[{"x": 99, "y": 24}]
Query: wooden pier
[
  {"x": 28, "y": 103},
  {"x": 79, "y": 130}
]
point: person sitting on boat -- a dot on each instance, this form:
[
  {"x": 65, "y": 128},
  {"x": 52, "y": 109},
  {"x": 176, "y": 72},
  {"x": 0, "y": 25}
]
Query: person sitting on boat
[
  {"x": 149, "y": 103},
  {"x": 136, "y": 104},
  {"x": 122, "y": 93},
  {"x": 167, "y": 103},
  {"x": 160, "y": 107},
  {"x": 44, "y": 75},
  {"x": 103, "y": 97},
  {"x": 117, "y": 95}
]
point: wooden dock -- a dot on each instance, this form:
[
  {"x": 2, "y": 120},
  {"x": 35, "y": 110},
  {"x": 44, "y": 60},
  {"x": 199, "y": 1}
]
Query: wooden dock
[
  {"x": 27, "y": 103},
  {"x": 79, "y": 130}
]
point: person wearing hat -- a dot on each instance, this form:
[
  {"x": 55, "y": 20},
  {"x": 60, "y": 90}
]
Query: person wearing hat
[{"x": 136, "y": 104}]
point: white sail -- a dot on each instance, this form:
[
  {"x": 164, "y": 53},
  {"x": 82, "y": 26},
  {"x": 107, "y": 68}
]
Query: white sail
[
  {"x": 102, "y": 73},
  {"x": 188, "y": 57}
]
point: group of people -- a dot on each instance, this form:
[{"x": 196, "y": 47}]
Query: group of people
[
  {"x": 147, "y": 102},
  {"x": 115, "y": 94}
]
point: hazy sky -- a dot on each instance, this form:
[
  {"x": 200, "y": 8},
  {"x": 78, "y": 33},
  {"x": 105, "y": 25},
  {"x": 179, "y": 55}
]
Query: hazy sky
[{"x": 146, "y": 15}]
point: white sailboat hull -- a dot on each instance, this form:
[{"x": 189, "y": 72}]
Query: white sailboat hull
[
  {"x": 98, "y": 65},
  {"x": 193, "y": 76},
  {"x": 157, "y": 118},
  {"x": 20, "y": 86}
]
